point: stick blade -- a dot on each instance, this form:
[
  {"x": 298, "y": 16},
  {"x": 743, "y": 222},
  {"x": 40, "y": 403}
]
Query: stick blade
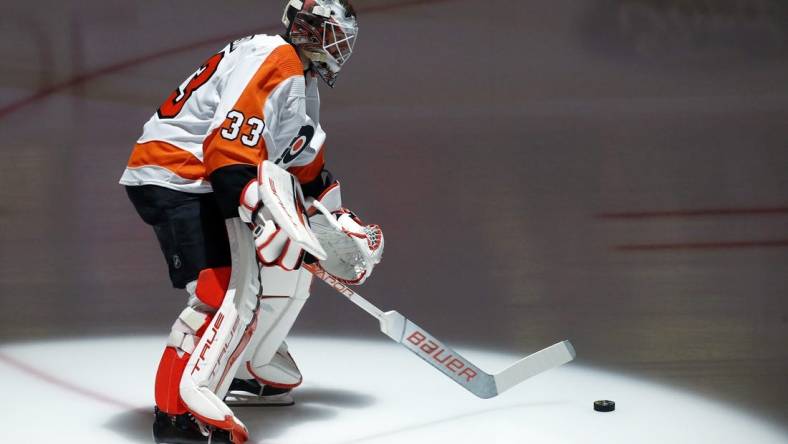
[
  {"x": 437, "y": 354},
  {"x": 446, "y": 360},
  {"x": 541, "y": 361}
]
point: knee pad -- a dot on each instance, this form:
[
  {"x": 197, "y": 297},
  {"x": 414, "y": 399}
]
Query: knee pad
[{"x": 217, "y": 356}]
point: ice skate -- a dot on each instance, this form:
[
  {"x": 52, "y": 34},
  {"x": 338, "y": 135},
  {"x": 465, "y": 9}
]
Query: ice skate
[
  {"x": 184, "y": 429},
  {"x": 249, "y": 392}
]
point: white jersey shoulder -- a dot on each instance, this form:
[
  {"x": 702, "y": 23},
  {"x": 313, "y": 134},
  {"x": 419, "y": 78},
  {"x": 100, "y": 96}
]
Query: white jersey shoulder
[
  {"x": 201, "y": 103},
  {"x": 188, "y": 127}
]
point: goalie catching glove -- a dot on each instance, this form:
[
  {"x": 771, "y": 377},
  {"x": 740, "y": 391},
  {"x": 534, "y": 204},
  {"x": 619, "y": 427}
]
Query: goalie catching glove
[{"x": 353, "y": 248}]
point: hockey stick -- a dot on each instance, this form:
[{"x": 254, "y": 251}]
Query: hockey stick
[{"x": 446, "y": 360}]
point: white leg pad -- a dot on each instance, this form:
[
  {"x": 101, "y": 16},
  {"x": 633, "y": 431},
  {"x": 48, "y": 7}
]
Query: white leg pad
[
  {"x": 219, "y": 352},
  {"x": 268, "y": 359},
  {"x": 280, "y": 372},
  {"x": 183, "y": 334}
]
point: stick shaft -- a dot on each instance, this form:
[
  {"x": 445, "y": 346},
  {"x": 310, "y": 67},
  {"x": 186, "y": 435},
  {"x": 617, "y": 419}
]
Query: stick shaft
[
  {"x": 344, "y": 290},
  {"x": 446, "y": 360},
  {"x": 417, "y": 340}
]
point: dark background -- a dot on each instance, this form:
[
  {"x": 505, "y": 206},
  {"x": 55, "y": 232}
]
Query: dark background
[{"x": 609, "y": 171}]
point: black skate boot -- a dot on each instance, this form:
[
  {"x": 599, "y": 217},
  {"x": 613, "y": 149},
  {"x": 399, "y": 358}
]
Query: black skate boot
[
  {"x": 249, "y": 392},
  {"x": 184, "y": 429}
]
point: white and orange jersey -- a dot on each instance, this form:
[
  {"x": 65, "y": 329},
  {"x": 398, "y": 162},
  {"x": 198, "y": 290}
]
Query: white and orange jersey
[{"x": 248, "y": 103}]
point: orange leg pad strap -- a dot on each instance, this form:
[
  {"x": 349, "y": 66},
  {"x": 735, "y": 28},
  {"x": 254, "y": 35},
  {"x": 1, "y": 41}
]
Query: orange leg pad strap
[
  {"x": 171, "y": 367},
  {"x": 185, "y": 334},
  {"x": 212, "y": 285}
]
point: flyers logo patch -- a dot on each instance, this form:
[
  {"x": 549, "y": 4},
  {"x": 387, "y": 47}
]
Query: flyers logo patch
[{"x": 298, "y": 144}]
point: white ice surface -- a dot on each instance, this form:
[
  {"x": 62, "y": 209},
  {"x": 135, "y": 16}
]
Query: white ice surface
[{"x": 370, "y": 392}]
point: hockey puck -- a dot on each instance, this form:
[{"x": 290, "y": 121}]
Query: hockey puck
[{"x": 604, "y": 406}]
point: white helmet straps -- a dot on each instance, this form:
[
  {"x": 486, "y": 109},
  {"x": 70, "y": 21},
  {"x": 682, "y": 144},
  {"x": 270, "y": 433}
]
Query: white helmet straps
[{"x": 298, "y": 4}]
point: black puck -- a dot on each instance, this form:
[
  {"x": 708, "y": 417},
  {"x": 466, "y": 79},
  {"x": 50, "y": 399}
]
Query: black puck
[{"x": 604, "y": 406}]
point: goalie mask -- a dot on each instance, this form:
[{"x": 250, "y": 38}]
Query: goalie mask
[{"x": 324, "y": 31}]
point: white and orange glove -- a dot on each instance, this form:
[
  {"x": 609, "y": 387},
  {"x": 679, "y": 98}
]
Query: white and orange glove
[
  {"x": 353, "y": 248},
  {"x": 272, "y": 243}
]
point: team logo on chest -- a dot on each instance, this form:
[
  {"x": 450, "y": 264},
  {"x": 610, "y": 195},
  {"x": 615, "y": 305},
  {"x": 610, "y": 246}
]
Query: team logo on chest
[{"x": 297, "y": 145}]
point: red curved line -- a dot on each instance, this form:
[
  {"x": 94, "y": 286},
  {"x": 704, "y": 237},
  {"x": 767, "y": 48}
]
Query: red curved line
[
  {"x": 115, "y": 67},
  {"x": 777, "y": 243},
  {"x": 119, "y": 66},
  {"x": 63, "y": 384},
  {"x": 764, "y": 211}
]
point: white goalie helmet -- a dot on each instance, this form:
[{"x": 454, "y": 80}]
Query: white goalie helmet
[{"x": 324, "y": 31}]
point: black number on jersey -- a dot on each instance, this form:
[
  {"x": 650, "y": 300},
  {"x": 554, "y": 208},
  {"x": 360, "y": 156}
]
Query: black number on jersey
[{"x": 234, "y": 123}]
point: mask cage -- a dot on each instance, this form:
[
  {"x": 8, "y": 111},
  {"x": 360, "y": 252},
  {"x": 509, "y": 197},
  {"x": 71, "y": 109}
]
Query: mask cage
[{"x": 327, "y": 43}]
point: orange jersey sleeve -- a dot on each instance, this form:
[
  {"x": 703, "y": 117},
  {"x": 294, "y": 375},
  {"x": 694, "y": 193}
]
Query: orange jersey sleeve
[{"x": 243, "y": 135}]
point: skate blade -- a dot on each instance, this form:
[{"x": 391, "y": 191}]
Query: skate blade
[{"x": 235, "y": 399}]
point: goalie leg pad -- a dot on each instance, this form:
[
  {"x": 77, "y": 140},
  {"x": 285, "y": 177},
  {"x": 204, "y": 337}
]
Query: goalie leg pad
[
  {"x": 280, "y": 372},
  {"x": 185, "y": 334},
  {"x": 268, "y": 360},
  {"x": 212, "y": 285},
  {"x": 218, "y": 354},
  {"x": 171, "y": 367},
  {"x": 206, "y": 297}
]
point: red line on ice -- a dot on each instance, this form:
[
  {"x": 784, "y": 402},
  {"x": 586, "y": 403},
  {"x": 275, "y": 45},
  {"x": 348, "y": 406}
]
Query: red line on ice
[{"x": 63, "y": 384}]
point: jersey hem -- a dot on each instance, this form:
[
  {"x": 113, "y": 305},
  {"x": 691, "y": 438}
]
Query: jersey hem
[{"x": 199, "y": 189}]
